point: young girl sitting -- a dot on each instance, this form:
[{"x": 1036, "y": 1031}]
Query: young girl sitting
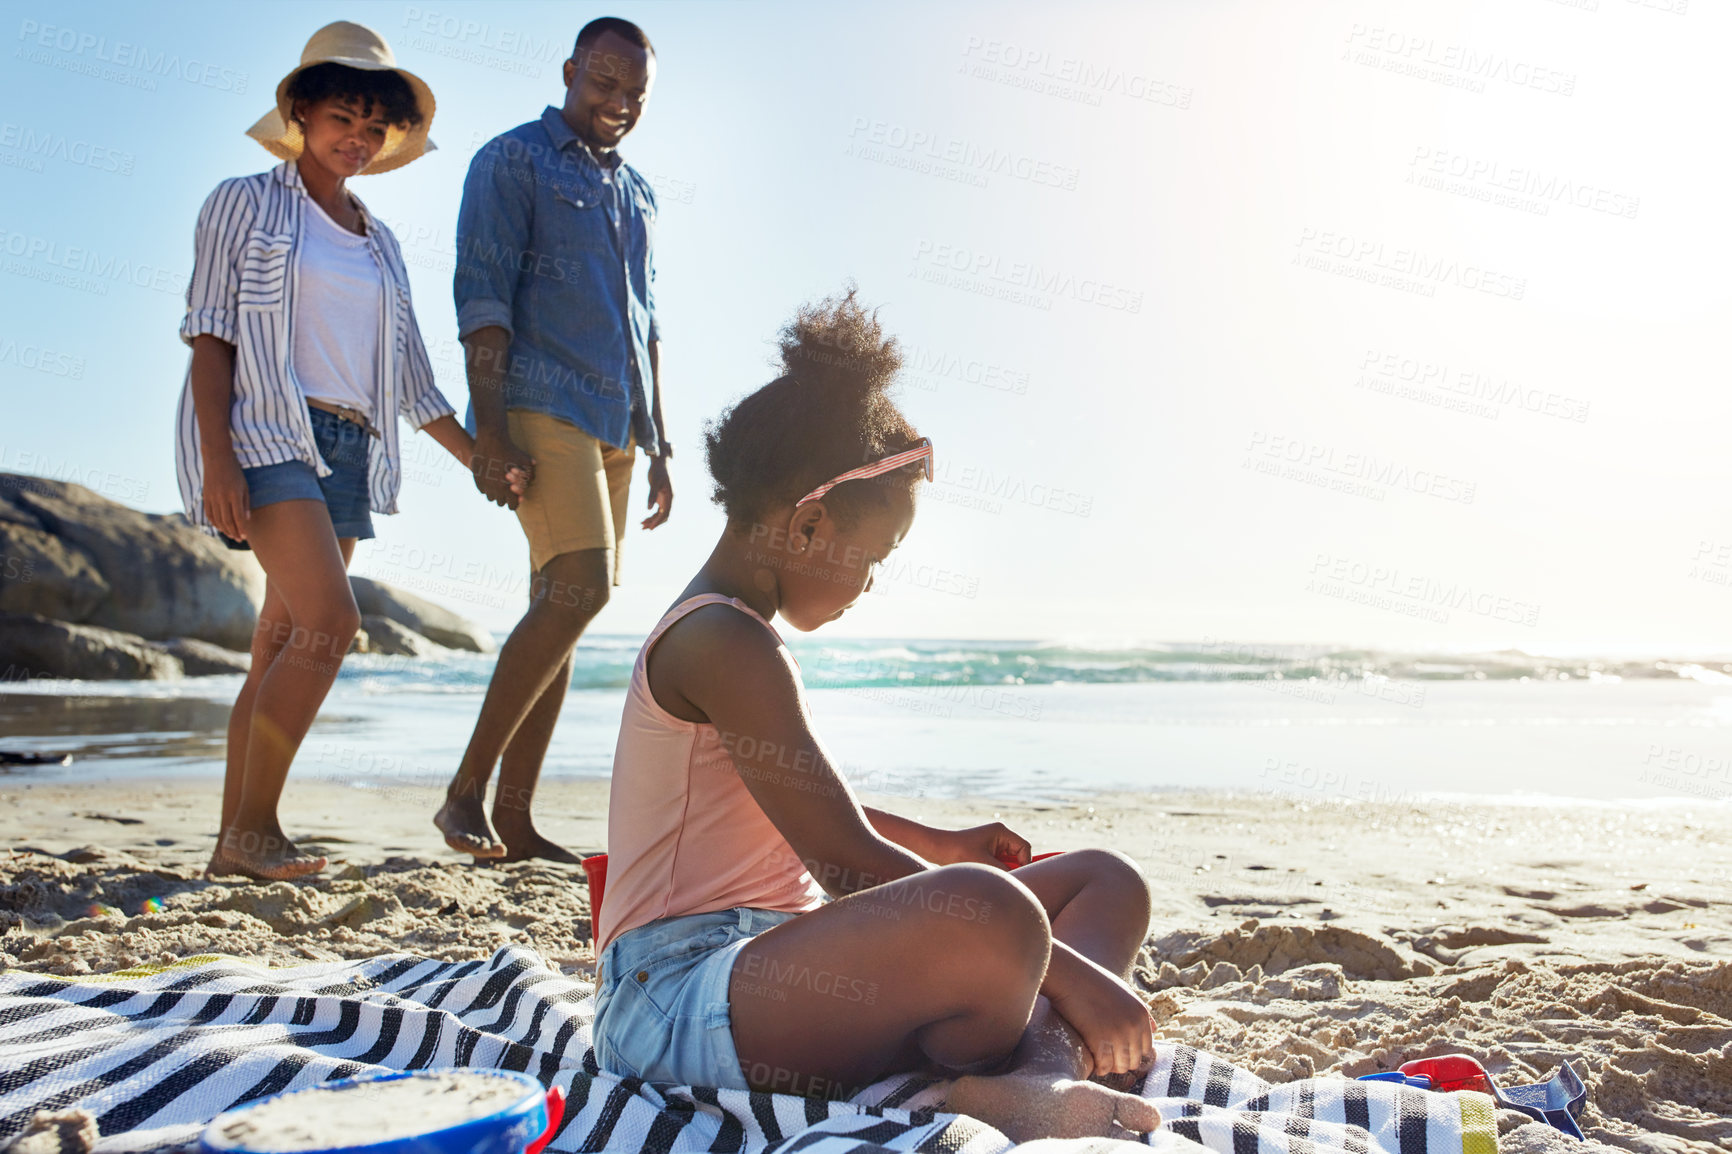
[{"x": 762, "y": 928}]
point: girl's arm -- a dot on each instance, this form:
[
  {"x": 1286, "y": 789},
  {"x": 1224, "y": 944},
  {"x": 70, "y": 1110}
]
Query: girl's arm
[
  {"x": 990, "y": 844},
  {"x": 720, "y": 666},
  {"x": 226, "y": 501},
  {"x": 905, "y": 832}
]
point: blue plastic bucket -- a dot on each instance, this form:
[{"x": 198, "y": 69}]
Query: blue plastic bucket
[{"x": 510, "y": 1130}]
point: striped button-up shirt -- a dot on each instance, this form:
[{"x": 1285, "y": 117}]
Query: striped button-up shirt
[{"x": 244, "y": 280}]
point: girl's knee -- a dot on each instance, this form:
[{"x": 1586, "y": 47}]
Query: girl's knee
[
  {"x": 1119, "y": 874},
  {"x": 990, "y": 910}
]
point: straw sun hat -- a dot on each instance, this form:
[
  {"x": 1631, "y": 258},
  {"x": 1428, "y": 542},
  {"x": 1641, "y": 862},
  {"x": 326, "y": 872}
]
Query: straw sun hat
[{"x": 356, "y": 46}]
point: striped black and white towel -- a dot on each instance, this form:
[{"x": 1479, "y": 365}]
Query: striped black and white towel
[{"x": 156, "y": 1052}]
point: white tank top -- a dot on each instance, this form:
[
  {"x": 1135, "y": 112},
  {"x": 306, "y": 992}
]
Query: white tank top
[{"x": 339, "y": 298}]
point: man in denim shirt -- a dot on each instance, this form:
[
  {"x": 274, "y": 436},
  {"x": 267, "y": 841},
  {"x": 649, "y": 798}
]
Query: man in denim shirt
[{"x": 556, "y": 310}]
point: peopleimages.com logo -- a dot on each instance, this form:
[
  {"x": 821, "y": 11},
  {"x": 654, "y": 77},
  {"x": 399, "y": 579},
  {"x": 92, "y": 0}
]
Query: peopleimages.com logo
[{"x": 88, "y": 53}]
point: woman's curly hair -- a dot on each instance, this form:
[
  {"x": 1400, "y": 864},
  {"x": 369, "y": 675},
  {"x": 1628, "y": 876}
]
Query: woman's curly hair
[
  {"x": 396, "y": 100},
  {"x": 829, "y": 412}
]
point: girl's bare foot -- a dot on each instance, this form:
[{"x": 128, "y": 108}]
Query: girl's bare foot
[
  {"x": 464, "y": 823},
  {"x": 262, "y": 858},
  {"x": 1026, "y": 1106}
]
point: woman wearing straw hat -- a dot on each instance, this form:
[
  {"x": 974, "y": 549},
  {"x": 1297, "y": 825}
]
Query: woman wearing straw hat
[{"x": 305, "y": 350}]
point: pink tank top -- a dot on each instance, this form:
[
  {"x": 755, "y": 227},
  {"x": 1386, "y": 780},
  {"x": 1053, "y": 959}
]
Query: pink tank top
[{"x": 684, "y": 836}]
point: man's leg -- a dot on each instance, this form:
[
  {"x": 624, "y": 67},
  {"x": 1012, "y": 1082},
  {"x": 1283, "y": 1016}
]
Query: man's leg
[
  {"x": 566, "y": 595},
  {"x": 520, "y": 769}
]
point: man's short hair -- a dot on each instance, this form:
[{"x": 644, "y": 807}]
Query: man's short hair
[{"x": 602, "y": 25}]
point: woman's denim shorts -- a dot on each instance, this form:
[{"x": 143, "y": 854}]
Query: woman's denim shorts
[
  {"x": 661, "y": 1008},
  {"x": 345, "y": 447}
]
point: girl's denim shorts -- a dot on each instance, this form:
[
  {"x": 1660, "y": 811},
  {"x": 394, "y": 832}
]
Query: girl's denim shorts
[
  {"x": 661, "y": 1007},
  {"x": 345, "y": 446}
]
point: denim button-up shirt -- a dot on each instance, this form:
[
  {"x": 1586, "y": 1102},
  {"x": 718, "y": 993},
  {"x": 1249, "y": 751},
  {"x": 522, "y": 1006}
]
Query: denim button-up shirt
[{"x": 555, "y": 248}]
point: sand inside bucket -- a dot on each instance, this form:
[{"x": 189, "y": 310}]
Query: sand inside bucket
[{"x": 372, "y": 1112}]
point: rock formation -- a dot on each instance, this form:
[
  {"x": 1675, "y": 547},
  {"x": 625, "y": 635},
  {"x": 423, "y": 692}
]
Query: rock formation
[{"x": 93, "y": 589}]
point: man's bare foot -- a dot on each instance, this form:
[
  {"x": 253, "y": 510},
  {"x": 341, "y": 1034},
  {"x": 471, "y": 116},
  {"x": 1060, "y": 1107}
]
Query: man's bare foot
[
  {"x": 463, "y": 821},
  {"x": 535, "y": 846},
  {"x": 1027, "y": 1106},
  {"x": 276, "y": 860}
]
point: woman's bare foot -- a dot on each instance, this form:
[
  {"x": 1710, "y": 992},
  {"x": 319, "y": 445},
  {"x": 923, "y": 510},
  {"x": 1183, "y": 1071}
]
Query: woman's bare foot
[
  {"x": 1027, "y": 1106},
  {"x": 463, "y": 821},
  {"x": 262, "y": 857}
]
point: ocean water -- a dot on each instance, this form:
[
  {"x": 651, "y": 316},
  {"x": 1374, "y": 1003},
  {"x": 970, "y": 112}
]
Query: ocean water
[{"x": 1008, "y": 719}]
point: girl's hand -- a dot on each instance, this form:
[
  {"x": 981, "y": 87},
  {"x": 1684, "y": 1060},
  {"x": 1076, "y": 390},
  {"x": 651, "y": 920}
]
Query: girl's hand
[
  {"x": 1109, "y": 1016},
  {"x": 994, "y": 844},
  {"x": 227, "y": 503}
]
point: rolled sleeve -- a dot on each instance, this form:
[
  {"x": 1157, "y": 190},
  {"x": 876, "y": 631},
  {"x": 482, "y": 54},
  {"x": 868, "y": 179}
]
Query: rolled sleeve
[
  {"x": 428, "y": 407},
  {"x": 480, "y": 314},
  {"x": 219, "y": 248},
  {"x": 493, "y": 230}
]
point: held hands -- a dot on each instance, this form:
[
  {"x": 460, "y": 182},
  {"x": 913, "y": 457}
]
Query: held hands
[
  {"x": 503, "y": 472},
  {"x": 1111, "y": 1019},
  {"x": 661, "y": 494},
  {"x": 227, "y": 503}
]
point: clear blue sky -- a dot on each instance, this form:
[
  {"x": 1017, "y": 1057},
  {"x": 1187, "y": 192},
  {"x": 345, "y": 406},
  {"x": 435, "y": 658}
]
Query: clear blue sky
[{"x": 1390, "y": 323}]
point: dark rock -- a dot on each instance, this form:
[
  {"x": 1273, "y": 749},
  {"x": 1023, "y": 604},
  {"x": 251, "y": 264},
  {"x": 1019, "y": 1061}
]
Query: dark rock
[
  {"x": 387, "y": 637},
  {"x": 32, "y": 647},
  {"x": 40, "y": 573},
  {"x": 202, "y": 659},
  {"x": 96, "y": 562},
  {"x": 68, "y": 555},
  {"x": 434, "y": 622}
]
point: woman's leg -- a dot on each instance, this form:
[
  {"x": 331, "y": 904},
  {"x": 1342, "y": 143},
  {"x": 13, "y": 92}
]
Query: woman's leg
[
  {"x": 268, "y": 640},
  {"x": 303, "y": 634},
  {"x": 941, "y": 968}
]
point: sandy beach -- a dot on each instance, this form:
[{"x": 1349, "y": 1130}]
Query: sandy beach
[{"x": 1293, "y": 934}]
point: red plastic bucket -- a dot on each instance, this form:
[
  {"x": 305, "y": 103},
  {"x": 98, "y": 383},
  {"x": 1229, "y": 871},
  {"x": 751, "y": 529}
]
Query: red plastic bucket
[{"x": 596, "y": 869}]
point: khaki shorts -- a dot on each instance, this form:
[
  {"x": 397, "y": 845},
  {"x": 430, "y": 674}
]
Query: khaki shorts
[{"x": 578, "y": 498}]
